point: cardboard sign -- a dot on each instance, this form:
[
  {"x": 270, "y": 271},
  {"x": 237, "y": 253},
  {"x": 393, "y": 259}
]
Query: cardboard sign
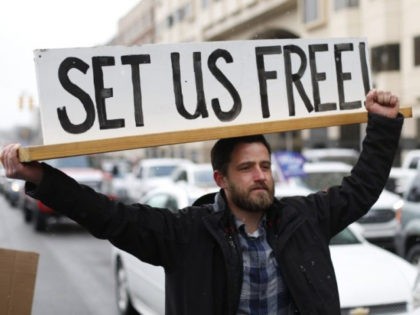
[
  {"x": 109, "y": 92},
  {"x": 17, "y": 281}
]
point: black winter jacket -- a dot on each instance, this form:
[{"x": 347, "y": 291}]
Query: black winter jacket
[{"x": 198, "y": 247}]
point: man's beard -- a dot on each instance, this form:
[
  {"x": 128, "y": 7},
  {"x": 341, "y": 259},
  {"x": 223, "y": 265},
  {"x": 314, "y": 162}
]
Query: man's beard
[{"x": 259, "y": 202}]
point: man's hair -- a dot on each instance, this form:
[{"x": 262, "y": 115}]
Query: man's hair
[{"x": 223, "y": 148}]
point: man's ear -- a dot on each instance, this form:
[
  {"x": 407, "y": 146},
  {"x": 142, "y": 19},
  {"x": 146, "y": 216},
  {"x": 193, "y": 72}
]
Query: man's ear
[{"x": 219, "y": 178}]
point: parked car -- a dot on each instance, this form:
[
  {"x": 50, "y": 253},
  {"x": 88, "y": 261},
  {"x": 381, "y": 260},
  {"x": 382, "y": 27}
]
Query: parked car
[
  {"x": 150, "y": 173},
  {"x": 411, "y": 159},
  {"x": 119, "y": 169},
  {"x": 323, "y": 174},
  {"x": 348, "y": 156},
  {"x": 3, "y": 179},
  {"x": 79, "y": 168},
  {"x": 408, "y": 237},
  {"x": 381, "y": 223},
  {"x": 196, "y": 179},
  {"x": 13, "y": 190},
  {"x": 368, "y": 276},
  {"x": 399, "y": 179}
]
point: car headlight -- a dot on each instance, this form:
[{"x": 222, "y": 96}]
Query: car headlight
[
  {"x": 416, "y": 292},
  {"x": 398, "y": 205},
  {"x": 15, "y": 186}
]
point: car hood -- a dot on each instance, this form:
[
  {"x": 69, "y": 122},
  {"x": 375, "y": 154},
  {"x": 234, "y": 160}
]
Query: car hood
[
  {"x": 82, "y": 174},
  {"x": 386, "y": 200},
  {"x": 368, "y": 275}
]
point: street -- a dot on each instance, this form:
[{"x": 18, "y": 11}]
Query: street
[{"x": 74, "y": 270}]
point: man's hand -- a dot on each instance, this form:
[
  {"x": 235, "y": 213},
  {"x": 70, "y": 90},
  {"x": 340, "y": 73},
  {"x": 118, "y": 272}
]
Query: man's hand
[
  {"x": 31, "y": 172},
  {"x": 382, "y": 103}
]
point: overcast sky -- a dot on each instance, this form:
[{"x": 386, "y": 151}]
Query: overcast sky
[{"x": 26, "y": 25}]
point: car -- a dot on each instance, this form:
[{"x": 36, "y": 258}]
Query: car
[
  {"x": 381, "y": 223},
  {"x": 345, "y": 155},
  {"x": 81, "y": 169},
  {"x": 150, "y": 173},
  {"x": 12, "y": 191},
  {"x": 371, "y": 278},
  {"x": 140, "y": 287},
  {"x": 119, "y": 170},
  {"x": 368, "y": 276},
  {"x": 399, "y": 179},
  {"x": 408, "y": 237},
  {"x": 196, "y": 179},
  {"x": 3, "y": 179},
  {"x": 323, "y": 174},
  {"x": 411, "y": 160}
]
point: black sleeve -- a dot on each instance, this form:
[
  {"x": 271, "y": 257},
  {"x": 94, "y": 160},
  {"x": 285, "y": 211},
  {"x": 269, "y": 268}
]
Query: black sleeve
[
  {"x": 151, "y": 234},
  {"x": 342, "y": 205}
]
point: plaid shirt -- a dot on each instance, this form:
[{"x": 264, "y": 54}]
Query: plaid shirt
[{"x": 263, "y": 290}]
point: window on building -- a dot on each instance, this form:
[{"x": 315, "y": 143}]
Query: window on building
[
  {"x": 385, "y": 58},
  {"x": 341, "y": 4},
  {"x": 205, "y": 3},
  {"x": 417, "y": 51},
  {"x": 311, "y": 10}
]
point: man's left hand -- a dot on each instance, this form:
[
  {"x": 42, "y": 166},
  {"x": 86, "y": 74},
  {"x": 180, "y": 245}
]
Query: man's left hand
[{"x": 382, "y": 103}]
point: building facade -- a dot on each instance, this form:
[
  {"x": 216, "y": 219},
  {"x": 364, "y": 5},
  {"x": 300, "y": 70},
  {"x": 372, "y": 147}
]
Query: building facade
[{"x": 391, "y": 28}]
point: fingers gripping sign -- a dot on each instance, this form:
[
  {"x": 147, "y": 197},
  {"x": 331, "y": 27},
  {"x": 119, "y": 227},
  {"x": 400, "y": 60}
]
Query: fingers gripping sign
[{"x": 9, "y": 157}]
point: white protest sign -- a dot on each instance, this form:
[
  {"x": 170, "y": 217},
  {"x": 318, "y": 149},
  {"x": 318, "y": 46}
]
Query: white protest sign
[{"x": 113, "y": 91}]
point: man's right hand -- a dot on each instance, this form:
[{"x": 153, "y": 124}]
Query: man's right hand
[{"x": 31, "y": 171}]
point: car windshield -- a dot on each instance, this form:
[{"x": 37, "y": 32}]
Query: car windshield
[
  {"x": 74, "y": 161},
  {"x": 161, "y": 170},
  {"x": 345, "y": 237},
  {"x": 204, "y": 178},
  {"x": 322, "y": 180}
]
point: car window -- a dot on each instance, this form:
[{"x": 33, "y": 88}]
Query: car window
[
  {"x": 161, "y": 170},
  {"x": 182, "y": 176},
  {"x": 204, "y": 178},
  {"x": 345, "y": 237},
  {"x": 163, "y": 201},
  {"x": 414, "y": 162},
  {"x": 414, "y": 190},
  {"x": 323, "y": 180},
  {"x": 73, "y": 161}
]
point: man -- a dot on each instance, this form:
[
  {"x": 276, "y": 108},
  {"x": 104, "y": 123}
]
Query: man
[{"x": 246, "y": 252}]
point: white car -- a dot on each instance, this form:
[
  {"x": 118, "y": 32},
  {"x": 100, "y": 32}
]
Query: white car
[
  {"x": 368, "y": 276},
  {"x": 196, "y": 179},
  {"x": 344, "y": 155},
  {"x": 399, "y": 179},
  {"x": 150, "y": 173},
  {"x": 381, "y": 223},
  {"x": 411, "y": 160}
]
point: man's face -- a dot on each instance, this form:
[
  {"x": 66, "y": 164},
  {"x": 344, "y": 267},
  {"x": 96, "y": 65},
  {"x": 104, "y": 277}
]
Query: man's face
[{"x": 249, "y": 182}]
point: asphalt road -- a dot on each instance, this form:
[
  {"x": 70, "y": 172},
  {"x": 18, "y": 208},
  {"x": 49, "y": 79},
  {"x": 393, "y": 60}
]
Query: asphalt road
[{"x": 74, "y": 270}]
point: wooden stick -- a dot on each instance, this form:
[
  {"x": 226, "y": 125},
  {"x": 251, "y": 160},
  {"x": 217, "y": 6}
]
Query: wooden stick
[{"x": 44, "y": 152}]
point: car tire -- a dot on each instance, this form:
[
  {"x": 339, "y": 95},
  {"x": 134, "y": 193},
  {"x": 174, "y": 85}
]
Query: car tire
[
  {"x": 413, "y": 254},
  {"x": 40, "y": 222},
  {"x": 27, "y": 215},
  {"x": 124, "y": 305}
]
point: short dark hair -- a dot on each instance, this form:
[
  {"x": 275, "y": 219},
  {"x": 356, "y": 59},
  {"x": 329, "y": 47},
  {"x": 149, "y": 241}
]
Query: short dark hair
[{"x": 223, "y": 148}]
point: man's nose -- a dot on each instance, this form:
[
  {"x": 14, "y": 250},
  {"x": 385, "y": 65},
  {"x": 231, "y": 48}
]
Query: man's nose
[{"x": 259, "y": 173}]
